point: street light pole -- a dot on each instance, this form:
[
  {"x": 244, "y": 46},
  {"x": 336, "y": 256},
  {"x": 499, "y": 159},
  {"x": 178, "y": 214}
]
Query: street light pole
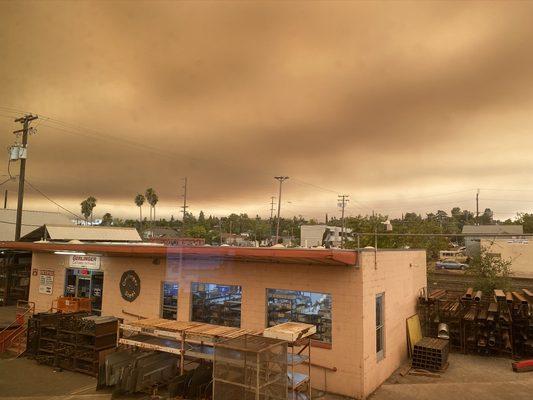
[{"x": 280, "y": 179}]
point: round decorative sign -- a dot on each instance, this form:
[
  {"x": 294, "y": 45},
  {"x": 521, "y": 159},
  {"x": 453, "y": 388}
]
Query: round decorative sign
[{"x": 130, "y": 285}]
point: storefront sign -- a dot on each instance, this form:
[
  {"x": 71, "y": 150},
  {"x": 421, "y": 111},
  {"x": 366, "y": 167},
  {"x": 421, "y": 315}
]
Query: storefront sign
[
  {"x": 46, "y": 281},
  {"x": 86, "y": 262},
  {"x": 130, "y": 285}
]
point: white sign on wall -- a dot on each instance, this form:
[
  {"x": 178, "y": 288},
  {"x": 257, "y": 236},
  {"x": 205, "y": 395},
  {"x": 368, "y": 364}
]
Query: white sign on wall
[
  {"x": 86, "y": 262},
  {"x": 46, "y": 281}
]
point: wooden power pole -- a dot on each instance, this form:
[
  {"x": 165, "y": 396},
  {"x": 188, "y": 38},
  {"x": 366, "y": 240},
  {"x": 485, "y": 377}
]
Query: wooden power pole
[
  {"x": 280, "y": 179},
  {"x": 343, "y": 199},
  {"x": 22, "y": 154}
]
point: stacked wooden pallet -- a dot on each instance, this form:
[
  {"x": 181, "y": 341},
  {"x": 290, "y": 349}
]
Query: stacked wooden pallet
[{"x": 430, "y": 354}]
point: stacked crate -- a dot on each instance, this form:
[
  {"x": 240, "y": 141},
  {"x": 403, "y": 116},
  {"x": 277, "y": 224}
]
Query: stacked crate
[
  {"x": 430, "y": 354},
  {"x": 75, "y": 341}
]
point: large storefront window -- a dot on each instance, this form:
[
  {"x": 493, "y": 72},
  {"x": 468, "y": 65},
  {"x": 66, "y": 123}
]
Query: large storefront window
[
  {"x": 86, "y": 283},
  {"x": 169, "y": 300},
  {"x": 299, "y": 306},
  {"x": 216, "y": 304}
]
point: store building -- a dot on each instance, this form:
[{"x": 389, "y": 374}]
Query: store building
[
  {"x": 359, "y": 300},
  {"x": 15, "y": 266}
]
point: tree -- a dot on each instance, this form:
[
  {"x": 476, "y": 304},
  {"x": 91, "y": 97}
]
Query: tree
[
  {"x": 149, "y": 195},
  {"x": 490, "y": 272},
  {"x": 107, "y": 220},
  {"x": 526, "y": 220},
  {"x": 201, "y": 218},
  {"x": 153, "y": 202},
  {"x": 487, "y": 217},
  {"x": 92, "y": 204},
  {"x": 139, "y": 201},
  {"x": 87, "y": 207}
]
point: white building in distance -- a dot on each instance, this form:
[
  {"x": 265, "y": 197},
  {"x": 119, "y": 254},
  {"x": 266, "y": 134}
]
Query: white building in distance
[{"x": 311, "y": 235}]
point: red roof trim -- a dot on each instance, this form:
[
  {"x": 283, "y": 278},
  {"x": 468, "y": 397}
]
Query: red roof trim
[{"x": 250, "y": 254}]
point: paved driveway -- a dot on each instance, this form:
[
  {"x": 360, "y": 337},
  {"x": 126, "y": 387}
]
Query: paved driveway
[{"x": 467, "y": 378}]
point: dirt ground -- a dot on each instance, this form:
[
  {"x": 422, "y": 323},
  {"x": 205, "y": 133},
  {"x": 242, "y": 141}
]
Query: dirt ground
[{"x": 467, "y": 378}]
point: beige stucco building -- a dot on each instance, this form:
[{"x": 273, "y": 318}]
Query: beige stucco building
[
  {"x": 361, "y": 299},
  {"x": 517, "y": 250}
]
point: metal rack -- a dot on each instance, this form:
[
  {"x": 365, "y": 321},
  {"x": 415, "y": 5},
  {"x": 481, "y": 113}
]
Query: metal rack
[
  {"x": 75, "y": 342},
  {"x": 14, "y": 277},
  {"x": 298, "y": 336},
  {"x": 194, "y": 341},
  {"x": 250, "y": 367},
  {"x": 494, "y": 323},
  {"x": 189, "y": 340}
]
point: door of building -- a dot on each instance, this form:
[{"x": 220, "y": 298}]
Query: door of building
[{"x": 87, "y": 284}]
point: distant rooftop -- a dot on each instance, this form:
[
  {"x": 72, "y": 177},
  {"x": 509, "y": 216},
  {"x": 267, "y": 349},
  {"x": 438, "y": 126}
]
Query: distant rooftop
[
  {"x": 494, "y": 229},
  {"x": 65, "y": 233}
]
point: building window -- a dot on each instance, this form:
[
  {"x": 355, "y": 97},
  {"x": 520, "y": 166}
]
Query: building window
[
  {"x": 169, "y": 300},
  {"x": 298, "y": 306},
  {"x": 380, "y": 326},
  {"x": 216, "y": 304}
]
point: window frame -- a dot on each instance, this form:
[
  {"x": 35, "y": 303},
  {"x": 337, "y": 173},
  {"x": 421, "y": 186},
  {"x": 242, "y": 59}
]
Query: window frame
[
  {"x": 314, "y": 342},
  {"x": 191, "y": 301},
  {"x": 162, "y": 295},
  {"x": 380, "y": 326}
]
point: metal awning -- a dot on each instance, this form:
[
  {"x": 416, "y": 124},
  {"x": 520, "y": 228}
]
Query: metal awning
[{"x": 245, "y": 254}]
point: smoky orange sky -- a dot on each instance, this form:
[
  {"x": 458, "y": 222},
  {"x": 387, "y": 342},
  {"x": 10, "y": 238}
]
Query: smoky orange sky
[{"x": 405, "y": 106}]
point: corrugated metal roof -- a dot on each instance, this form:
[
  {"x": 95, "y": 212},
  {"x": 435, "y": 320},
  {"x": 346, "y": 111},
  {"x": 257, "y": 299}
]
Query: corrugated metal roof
[
  {"x": 494, "y": 229},
  {"x": 92, "y": 233},
  {"x": 30, "y": 221}
]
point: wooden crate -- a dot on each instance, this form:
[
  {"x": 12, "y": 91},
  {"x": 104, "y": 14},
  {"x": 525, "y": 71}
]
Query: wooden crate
[{"x": 290, "y": 331}]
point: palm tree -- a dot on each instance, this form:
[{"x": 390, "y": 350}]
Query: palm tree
[
  {"x": 139, "y": 201},
  {"x": 149, "y": 194},
  {"x": 155, "y": 199}
]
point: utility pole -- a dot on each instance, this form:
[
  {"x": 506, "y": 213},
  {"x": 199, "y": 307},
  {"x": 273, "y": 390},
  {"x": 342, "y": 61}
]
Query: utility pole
[
  {"x": 184, "y": 206},
  {"x": 25, "y": 121},
  {"x": 477, "y": 207},
  {"x": 271, "y": 215},
  {"x": 280, "y": 179},
  {"x": 343, "y": 199}
]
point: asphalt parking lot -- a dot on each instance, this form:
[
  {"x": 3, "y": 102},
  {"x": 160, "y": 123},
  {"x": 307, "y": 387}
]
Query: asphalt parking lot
[{"x": 467, "y": 378}]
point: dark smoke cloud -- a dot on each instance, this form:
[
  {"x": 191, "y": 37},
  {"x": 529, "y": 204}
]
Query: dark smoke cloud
[{"x": 373, "y": 99}]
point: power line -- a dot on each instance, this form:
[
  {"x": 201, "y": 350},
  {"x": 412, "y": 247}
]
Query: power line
[
  {"x": 51, "y": 200},
  {"x": 14, "y": 223}
]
